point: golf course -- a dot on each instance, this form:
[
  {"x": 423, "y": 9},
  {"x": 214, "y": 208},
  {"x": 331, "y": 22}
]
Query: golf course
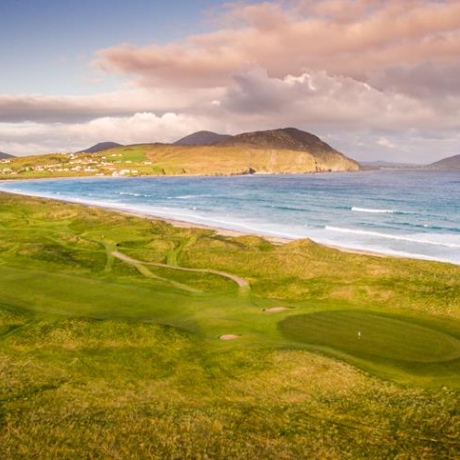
[{"x": 129, "y": 337}]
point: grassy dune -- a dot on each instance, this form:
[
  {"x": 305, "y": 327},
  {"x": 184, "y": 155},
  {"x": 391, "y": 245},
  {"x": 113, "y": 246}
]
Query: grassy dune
[{"x": 109, "y": 357}]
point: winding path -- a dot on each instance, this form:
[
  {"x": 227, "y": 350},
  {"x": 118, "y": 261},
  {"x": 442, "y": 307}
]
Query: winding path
[{"x": 243, "y": 285}]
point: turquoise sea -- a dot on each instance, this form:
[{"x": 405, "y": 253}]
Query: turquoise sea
[{"x": 407, "y": 213}]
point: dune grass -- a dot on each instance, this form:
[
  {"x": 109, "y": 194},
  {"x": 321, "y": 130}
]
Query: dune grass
[{"x": 99, "y": 359}]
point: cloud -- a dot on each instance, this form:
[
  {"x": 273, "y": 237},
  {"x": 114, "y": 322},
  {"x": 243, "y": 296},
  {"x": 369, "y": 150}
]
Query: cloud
[
  {"x": 141, "y": 127},
  {"x": 32, "y": 138},
  {"x": 433, "y": 82},
  {"x": 321, "y": 99},
  {"x": 384, "y": 142},
  {"x": 54, "y": 109},
  {"x": 350, "y": 37},
  {"x": 412, "y": 146},
  {"x": 314, "y": 101},
  {"x": 123, "y": 103}
]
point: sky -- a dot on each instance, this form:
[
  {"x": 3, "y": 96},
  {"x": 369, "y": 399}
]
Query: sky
[{"x": 376, "y": 79}]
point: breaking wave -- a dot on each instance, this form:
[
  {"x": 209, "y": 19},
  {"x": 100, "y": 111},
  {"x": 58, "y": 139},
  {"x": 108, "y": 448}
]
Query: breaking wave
[
  {"x": 373, "y": 211},
  {"x": 410, "y": 239}
]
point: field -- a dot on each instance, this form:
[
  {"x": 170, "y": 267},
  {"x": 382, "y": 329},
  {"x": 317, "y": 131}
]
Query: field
[{"x": 112, "y": 345}]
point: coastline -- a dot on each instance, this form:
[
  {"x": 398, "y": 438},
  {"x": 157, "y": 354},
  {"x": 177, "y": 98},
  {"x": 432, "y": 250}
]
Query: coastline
[
  {"x": 282, "y": 235},
  {"x": 272, "y": 239},
  {"x": 277, "y": 240},
  {"x": 186, "y": 224}
]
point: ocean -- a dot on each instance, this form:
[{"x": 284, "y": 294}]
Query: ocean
[{"x": 404, "y": 213}]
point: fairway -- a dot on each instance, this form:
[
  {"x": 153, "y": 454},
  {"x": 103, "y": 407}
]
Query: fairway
[{"x": 370, "y": 335}]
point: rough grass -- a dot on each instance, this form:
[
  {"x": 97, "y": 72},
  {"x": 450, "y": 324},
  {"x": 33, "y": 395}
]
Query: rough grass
[
  {"x": 99, "y": 360},
  {"x": 80, "y": 388}
]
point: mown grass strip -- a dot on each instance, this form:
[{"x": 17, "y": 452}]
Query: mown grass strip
[{"x": 365, "y": 334}]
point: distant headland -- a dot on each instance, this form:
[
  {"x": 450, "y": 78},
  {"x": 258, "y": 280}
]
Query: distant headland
[{"x": 277, "y": 151}]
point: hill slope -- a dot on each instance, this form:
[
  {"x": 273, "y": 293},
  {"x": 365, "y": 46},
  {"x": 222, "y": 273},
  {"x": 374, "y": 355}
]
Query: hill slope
[
  {"x": 286, "y": 150},
  {"x": 202, "y": 138},
  {"x": 4, "y": 156},
  {"x": 446, "y": 163},
  {"x": 321, "y": 156},
  {"x": 229, "y": 160},
  {"x": 100, "y": 147}
]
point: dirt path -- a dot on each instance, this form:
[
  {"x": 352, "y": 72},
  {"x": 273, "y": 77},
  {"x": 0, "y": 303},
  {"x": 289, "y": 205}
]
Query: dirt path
[
  {"x": 139, "y": 265},
  {"x": 241, "y": 282}
]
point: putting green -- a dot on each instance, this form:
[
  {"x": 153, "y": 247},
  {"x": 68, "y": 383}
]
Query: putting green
[{"x": 367, "y": 335}]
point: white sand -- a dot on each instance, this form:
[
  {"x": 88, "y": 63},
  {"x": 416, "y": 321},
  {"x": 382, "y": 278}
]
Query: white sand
[{"x": 229, "y": 337}]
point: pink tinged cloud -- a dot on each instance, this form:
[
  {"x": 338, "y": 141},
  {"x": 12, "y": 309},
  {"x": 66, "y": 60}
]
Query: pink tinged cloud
[
  {"x": 68, "y": 109},
  {"x": 294, "y": 36},
  {"x": 319, "y": 98}
]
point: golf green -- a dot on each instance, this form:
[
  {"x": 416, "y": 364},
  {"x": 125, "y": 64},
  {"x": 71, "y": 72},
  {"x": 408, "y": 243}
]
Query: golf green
[{"x": 363, "y": 334}]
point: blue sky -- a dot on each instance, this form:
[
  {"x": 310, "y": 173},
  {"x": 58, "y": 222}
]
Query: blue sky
[
  {"x": 47, "y": 45},
  {"x": 376, "y": 79}
]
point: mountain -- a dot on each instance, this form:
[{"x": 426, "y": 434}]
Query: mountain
[
  {"x": 285, "y": 138},
  {"x": 321, "y": 156},
  {"x": 100, "y": 147},
  {"x": 202, "y": 138},
  {"x": 279, "y": 151},
  {"x": 450, "y": 163},
  {"x": 4, "y": 156}
]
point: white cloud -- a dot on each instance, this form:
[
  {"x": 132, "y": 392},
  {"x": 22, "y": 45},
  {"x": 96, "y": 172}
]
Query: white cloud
[
  {"x": 32, "y": 138},
  {"x": 384, "y": 142}
]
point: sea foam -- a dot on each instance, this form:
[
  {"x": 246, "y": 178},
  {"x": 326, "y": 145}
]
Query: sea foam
[
  {"x": 434, "y": 239},
  {"x": 372, "y": 211}
]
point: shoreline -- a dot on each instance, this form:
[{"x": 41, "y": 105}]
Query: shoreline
[
  {"x": 241, "y": 174},
  {"x": 276, "y": 240},
  {"x": 187, "y": 224},
  {"x": 272, "y": 239}
]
